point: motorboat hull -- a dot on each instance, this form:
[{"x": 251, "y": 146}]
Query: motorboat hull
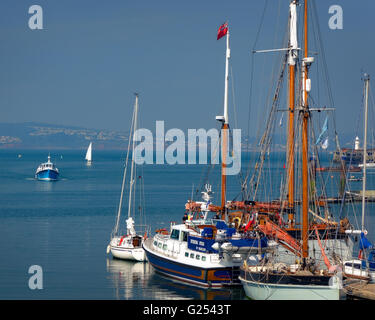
[
  {"x": 202, "y": 276},
  {"x": 47, "y": 175}
]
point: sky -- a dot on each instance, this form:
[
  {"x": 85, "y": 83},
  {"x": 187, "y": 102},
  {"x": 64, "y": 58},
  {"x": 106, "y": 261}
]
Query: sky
[{"x": 90, "y": 57}]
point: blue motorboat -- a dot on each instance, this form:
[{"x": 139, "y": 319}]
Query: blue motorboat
[{"x": 47, "y": 171}]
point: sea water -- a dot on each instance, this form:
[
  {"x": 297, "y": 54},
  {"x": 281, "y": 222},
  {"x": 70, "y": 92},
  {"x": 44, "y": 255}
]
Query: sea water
[{"x": 65, "y": 226}]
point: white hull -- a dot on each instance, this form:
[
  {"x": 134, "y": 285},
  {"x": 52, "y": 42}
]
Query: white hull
[
  {"x": 134, "y": 254},
  {"x": 260, "y": 291},
  {"x": 123, "y": 248}
]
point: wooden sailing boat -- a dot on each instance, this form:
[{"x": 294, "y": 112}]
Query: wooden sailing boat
[
  {"x": 88, "y": 156},
  {"x": 128, "y": 246},
  {"x": 272, "y": 277}
]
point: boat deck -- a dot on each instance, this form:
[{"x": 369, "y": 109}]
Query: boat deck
[{"x": 360, "y": 290}]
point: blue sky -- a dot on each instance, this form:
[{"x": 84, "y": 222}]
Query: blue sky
[{"x": 84, "y": 66}]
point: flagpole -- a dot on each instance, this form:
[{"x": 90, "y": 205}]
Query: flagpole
[
  {"x": 227, "y": 55},
  {"x": 225, "y": 127}
]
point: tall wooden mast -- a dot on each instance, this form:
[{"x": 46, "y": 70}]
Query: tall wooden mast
[
  {"x": 293, "y": 46},
  {"x": 305, "y": 118}
]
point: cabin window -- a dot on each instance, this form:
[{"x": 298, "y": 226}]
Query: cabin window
[
  {"x": 203, "y": 258},
  {"x": 186, "y": 254},
  {"x": 164, "y": 247},
  {"x": 184, "y": 236},
  {"x": 159, "y": 244},
  {"x": 175, "y": 234},
  {"x": 198, "y": 257},
  {"x": 192, "y": 255},
  {"x": 354, "y": 265},
  {"x": 155, "y": 243}
]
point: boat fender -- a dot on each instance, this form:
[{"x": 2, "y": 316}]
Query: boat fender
[
  {"x": 238, "y": 219},
  {"x": 121, "y": 240},
  {"x": 108, "y": 249}
]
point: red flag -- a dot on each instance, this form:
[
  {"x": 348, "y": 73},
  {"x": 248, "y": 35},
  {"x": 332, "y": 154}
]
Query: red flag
[{"x": 223, "y": 29}]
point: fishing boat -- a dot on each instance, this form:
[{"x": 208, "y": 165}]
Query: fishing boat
[
  {"x": 294, "y": 270},
  {"x": 47, "y": 171},
  {"x": 127, "y": 244},
  {"x": 88, "y": 156},
  {"x": 207, "y": 249}
]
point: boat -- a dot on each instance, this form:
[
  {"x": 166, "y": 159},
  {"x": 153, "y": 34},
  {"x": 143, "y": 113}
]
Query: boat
[
  {"x": 208, "y": 248},
  {"x": 293, "y": 271},
  {"x": 354, "y": 179},
  {"x": 363, "y": 268},
  {"x": 367, "y": 165},
  {"x": 47, "y": 171},
  {"x": 202, "y": 251},
  {"x": 127, "y": 244},
  {"x": 355, "y": 156},
  {"x": 88, "y": 157}
]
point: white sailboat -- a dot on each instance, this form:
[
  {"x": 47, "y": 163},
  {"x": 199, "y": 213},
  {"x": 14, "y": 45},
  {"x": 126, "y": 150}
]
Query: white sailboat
[
  {"x": 128, "y": 246},
  {"x": 360, "y": 268},
  {"x": 89, "y": 154}
]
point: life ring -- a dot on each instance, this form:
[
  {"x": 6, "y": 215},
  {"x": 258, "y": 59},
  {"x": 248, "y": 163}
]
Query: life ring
[{"x": 162, "y": 231}]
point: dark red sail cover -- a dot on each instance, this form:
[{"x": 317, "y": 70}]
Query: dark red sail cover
[{"x": 223, "y": 29}]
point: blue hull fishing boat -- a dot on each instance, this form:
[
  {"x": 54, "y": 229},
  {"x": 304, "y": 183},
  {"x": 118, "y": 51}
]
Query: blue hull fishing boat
[
  {"x": 201, "y": 253},
  {"x": 47, "y": 171}
]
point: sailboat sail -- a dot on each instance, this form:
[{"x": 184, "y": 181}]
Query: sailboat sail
[{"x": 89, "y": 153}]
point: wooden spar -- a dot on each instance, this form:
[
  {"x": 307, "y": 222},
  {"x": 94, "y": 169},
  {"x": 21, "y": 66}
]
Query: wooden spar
[
  {"x": 224, "y": 137},
  {"x": 305, "y": 196}
]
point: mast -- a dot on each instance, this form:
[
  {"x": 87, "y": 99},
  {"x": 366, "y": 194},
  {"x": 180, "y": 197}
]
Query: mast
[
  {"x": 305, "y": 118},
  {"x": 116, "y": 228},
  {"x": 224, "y": 129},
  {"x": 132, "y": 173},
  {"x": 293, "y": 45},
  {"x": 366, "y": 79}
]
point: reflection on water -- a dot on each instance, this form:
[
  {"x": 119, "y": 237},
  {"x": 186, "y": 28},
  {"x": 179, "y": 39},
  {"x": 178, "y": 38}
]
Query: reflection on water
[
  {"x": 127, "y": 277},
  {"x": 138, "y": 280},
  {"x": 44, "y": 186}
]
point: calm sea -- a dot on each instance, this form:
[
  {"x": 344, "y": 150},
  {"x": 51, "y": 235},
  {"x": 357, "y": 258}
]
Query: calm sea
[{"x": 65, "y": 226}]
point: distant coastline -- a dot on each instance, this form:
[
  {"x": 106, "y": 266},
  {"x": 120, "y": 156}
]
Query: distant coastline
[{"x": 33, "y": 135}]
